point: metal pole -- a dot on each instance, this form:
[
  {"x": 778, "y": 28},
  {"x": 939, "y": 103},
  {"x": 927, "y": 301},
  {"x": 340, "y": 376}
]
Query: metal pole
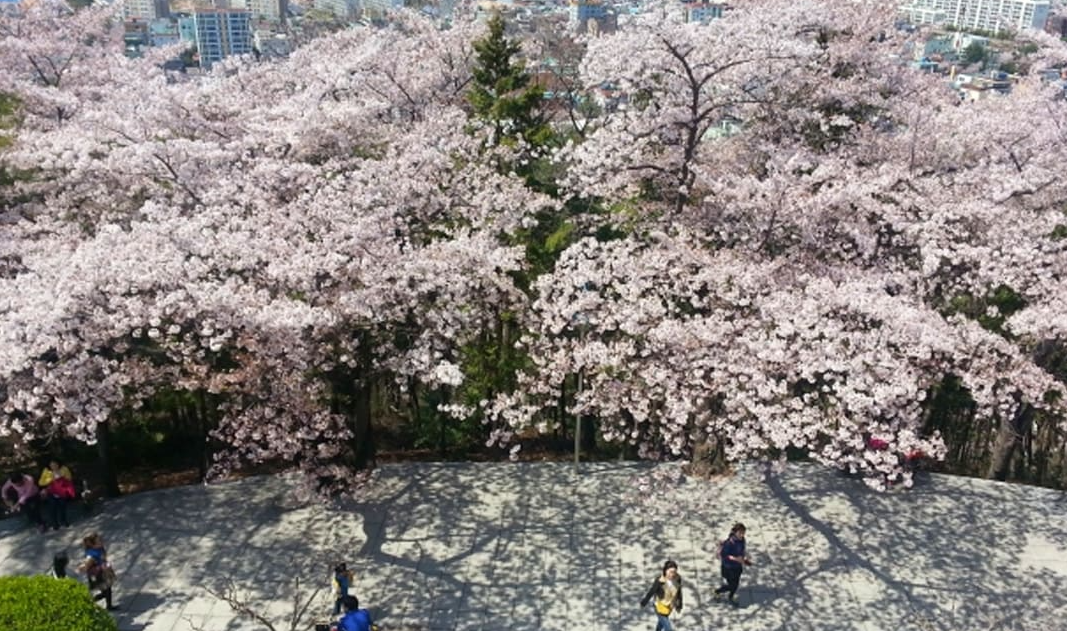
[{"x": 578, "y": 427}]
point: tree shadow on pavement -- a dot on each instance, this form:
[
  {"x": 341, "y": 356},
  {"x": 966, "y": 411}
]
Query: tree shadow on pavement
[
  {"x": 493, "y": 546},
  {"x": 532, "y": 546},
  {"x": 954, "y": 554}
]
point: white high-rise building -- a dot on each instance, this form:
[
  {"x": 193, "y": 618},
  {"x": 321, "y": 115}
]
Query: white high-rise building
[
  {"x": 342, "y": 9},
  {"x": 378, "y": 8},
  {"x": 269, "y": 10},
  {"x": 986, "y": 15},
  {"x": 140, "y": 10}
]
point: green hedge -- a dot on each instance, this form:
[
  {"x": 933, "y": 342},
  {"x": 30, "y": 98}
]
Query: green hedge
[{"x": 42, "y": 603}]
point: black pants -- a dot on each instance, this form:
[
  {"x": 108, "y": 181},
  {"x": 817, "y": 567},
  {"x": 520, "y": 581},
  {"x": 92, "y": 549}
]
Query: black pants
[
  {"x": 31, "y": 508},
  {"x": 57, "y": 511},
  {"x": 100, "y": 584},
  {"x": 732, "y": 576},
  {"x": 105, "y": 595}
]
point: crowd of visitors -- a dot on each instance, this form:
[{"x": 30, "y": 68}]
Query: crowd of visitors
[{"x": 43, "y": 501}]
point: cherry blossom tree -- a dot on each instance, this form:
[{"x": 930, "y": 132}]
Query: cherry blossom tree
[
  {"x": 800, "y": 216},
  {"x": 278, "y": 235},
  {"x": 785, "y": 242}
]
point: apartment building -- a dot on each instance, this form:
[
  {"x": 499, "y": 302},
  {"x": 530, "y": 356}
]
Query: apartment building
[
  {"x": 222, "y": 33},
  {"x": 986, "y": 15}
]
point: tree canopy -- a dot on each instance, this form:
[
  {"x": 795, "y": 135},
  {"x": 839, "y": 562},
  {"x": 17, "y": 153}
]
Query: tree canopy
[{"x": 780, "y": 242}]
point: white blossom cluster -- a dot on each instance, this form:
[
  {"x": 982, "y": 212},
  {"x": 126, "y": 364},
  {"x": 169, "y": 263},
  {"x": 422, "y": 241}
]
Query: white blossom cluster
[{"x": 783, "y": 223}]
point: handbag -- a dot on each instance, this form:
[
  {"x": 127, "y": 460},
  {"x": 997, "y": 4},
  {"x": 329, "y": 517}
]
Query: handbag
[
  {"x": 101, "y": 576},
  {"x": 62, "y": 488}
]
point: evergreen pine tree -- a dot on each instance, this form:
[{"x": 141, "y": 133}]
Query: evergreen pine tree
[{"x": 504, "y": 95}]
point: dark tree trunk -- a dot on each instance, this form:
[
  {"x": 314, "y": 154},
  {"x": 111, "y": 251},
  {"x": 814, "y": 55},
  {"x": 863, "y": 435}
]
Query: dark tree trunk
[
  {"x": 501, "y": 350},
  {"x": 561, "y": 412},
  {"x": 362, "y": 428},
  {"x": 443, "y": 420},
  {"x": 588, "y": 439},
  {"x": 413, "y": 401},
  {"x": 204, "y": 432},
  {"x": 1009, "y": 438},
  {"x": 1016, "y": 434},
  {"x": 709, "y": 457},
  {"x": 362, "y": 443},
  {"x": 108, "y": 475}
]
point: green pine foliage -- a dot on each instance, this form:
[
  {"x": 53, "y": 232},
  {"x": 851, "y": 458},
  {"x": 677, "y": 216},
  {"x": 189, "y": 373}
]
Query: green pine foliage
[
  {"x": 505, "y": 97},
  {"x": 42, "y": 603},
  {"x": 8, "y": 109},
  {"x": 503, "y": 94},
  {"x": 990, "y": 311},
  {"x": 975, "y": 53}
]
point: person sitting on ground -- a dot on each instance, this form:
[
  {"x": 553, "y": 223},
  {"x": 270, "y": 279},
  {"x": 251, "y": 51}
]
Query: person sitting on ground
[
  {"x": 21, "y": 494},
  {"x": 355, "y": 619},
  {"x": 57, "y": 488}
]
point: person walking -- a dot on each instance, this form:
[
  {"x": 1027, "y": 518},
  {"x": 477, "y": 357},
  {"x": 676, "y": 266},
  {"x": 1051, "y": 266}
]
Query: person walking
[
  {"x": 98, "y": 569},
  {"x": 57, "y": 488},
  {"x": 666, "y": 590},
  {"x": 355, "y": 619},
  {"x": 21, "y": 494},
  {"x": 60, "y": 560},
  {"x": 734, "y": 560},
  {"x": 341, "y": 583}
]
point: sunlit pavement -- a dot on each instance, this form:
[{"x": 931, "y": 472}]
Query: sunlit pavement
[{"x": 535, "y": 546}]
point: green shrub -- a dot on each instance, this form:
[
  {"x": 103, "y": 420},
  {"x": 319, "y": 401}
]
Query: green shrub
[{"x": 42, "y": 603}]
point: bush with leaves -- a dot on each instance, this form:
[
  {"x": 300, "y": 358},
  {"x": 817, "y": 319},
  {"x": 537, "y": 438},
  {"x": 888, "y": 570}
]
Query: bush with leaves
[{"x": 32, "y": 603}]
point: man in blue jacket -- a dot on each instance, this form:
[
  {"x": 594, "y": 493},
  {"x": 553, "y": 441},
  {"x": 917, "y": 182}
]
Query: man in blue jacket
[{"x": 355, "y": 619}]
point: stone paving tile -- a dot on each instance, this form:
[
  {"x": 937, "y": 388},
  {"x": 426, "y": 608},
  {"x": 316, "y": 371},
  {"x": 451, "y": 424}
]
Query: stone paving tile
[{"x": 532, "y": 546}]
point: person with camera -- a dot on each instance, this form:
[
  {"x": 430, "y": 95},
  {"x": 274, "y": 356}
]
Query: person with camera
[{"x": 21, "y": 495}]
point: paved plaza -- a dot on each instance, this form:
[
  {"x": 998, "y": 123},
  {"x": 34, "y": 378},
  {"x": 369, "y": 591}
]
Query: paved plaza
[{"x": 530, "y": 546}]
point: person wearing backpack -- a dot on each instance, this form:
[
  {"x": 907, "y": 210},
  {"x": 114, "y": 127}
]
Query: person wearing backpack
[
  {"x": 734, "y": 560},
  {"x": 667, "y": 591}
]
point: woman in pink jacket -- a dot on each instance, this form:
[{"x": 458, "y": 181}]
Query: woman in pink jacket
[{"x": 21, "y": 494}]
